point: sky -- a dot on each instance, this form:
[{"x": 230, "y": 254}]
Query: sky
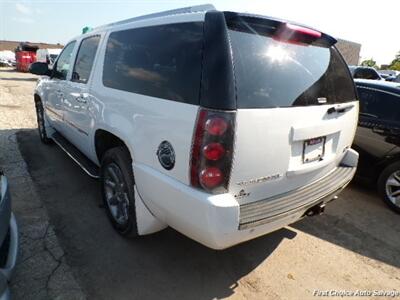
[{"x": 372, "y": 23}]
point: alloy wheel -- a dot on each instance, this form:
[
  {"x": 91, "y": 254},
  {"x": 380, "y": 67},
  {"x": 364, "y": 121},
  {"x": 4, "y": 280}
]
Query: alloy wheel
[
  {"x": 393, "y": 188},
  {"x": 116, "y": 193}
]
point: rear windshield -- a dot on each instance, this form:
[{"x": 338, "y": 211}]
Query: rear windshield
[{"x": 270, "y": 73}]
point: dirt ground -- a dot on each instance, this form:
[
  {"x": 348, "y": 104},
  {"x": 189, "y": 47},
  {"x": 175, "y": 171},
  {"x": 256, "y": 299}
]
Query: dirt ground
[{"x": 354, "y": 246}]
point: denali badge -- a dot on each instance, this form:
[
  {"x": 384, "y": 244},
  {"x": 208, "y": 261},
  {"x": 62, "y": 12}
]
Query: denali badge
[
  {"x": 242, "y": 194},
  {"x": 166, "y": 155},
  {"x": 259, "y": 180}
]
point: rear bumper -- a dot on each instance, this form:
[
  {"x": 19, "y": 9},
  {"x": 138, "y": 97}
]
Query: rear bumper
[{"x": 218, "y": 221}]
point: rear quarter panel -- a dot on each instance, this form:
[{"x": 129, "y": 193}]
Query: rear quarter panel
[{"x": 144, "y": 122}]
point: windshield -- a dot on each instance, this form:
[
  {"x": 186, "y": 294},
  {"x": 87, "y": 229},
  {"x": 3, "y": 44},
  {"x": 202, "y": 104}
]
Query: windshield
[{"x": 271, "y": 73}]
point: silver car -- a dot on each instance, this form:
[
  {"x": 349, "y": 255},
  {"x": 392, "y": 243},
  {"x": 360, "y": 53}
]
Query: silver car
[{"x": 8, "y": 238}]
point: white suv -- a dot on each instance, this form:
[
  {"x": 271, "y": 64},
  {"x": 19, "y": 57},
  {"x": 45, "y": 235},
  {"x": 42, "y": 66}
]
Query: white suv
[{"x": 225, "y": 126}]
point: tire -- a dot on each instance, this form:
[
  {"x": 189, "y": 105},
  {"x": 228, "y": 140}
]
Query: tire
[
  {"x": 389, "y": 186},
  {"x": 41, "y": 123},
  {"x": 117, "y": 188}
]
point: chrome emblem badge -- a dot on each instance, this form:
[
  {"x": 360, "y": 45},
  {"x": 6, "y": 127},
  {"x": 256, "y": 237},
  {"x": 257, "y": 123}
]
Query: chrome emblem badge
[{"x": 166, "y": 155}]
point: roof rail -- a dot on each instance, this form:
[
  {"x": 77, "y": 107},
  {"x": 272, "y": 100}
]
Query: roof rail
[{"x": 189, "y": 9}]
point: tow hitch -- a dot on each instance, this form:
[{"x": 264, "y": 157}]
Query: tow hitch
[{"x": 315, "y": 210}]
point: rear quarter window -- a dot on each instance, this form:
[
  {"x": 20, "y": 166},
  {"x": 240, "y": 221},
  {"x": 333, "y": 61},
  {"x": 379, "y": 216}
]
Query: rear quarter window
[
  {"x": 270, "y": 73},
  {"x": 159, "y": 61}
]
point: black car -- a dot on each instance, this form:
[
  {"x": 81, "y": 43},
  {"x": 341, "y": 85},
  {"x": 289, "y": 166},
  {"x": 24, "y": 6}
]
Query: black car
[
  {"x": 378, "y": 137},
  {"x": 360, "y": 72}
]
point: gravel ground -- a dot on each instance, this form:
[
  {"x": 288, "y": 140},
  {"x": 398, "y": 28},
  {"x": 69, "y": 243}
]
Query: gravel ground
[
  {"x": 42, "y": 272},
  {"x": 355, "y": 245}
]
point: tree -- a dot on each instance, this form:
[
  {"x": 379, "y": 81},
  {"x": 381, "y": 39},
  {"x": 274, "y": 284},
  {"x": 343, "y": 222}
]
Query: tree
[
  {"x": 369, "y": 63},
  {"x": 395, "y": 65}
]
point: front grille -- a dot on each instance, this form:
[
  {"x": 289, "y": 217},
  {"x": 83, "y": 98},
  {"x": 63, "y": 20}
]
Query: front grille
[{"x": 259, "y": 212}]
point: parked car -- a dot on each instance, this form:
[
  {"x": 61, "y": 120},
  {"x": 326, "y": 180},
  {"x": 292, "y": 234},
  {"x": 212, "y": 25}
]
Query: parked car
[
  {"x": 387, "y": 77},
  {"x": 47, "y": 55},
  {"x": 378, "y": 137},
  {"x": 360, "y": 72},
  {"x": 7, "y": 58},
  {"x": 179, "y": 137},
  {"x": 8, "y": 238}
]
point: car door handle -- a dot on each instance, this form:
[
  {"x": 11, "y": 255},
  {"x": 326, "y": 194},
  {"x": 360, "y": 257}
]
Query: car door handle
[
  {"x": 81, "y": 100},
  {"x": 60, "y": 94}
]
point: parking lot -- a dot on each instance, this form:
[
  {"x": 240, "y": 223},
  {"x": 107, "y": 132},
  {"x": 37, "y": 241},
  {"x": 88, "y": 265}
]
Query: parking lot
[{"x": 70, "y": 251}]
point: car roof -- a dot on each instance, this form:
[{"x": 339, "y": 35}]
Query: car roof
[
  {"x": 361, "y": 67},
  {"x": 196, "y": 9},
  {"x": 393, "y": 87}
]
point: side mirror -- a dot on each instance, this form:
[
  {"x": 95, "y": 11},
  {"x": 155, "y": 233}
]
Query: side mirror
[{"x": 40, "y": 68}]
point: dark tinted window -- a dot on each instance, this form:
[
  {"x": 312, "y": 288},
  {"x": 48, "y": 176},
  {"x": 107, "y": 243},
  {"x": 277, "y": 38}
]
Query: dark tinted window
[
  {"x": 366, "y": 73},
  {"x": 270, "y": 73},
  {"x": 64, "y": 62},
  {"x": 377, "y": 104},
  {"x": 85, "y": 58},
  {"x": 160, "y": 61}
]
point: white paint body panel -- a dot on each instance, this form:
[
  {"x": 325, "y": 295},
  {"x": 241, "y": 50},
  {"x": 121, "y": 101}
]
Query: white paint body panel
[{"x": 267, "y": 142}]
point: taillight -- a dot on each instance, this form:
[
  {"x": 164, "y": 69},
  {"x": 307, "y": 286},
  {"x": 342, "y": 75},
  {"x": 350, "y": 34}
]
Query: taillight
[
  {"x": 213, "y": 151},
  {"x": 295, "y": 34},
  {"x": 211, "y": 157}
]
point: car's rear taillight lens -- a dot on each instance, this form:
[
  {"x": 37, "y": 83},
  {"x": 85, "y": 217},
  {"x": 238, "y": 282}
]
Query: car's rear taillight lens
[
  {"x": 213, "y": 151},
  {"x": 211, "y": 157},
  {"x": 211, "y": 177}
]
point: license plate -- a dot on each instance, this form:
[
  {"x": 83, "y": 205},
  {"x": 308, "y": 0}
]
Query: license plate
[{"x": 314, "y": 149}]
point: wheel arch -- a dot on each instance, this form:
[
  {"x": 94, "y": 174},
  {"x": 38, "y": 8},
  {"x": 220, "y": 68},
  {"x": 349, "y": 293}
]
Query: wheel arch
[
  {"x": 37, "y": 98},
  {"x": 105, "y": 139},
  {"x": 391, "y": 159}
]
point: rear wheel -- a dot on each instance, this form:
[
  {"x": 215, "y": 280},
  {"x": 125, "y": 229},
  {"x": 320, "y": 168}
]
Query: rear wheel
[
  {"x": 389, "y": 186},
  {"x": 41, "y": 123},
  {"x": 117, "y": 184}
]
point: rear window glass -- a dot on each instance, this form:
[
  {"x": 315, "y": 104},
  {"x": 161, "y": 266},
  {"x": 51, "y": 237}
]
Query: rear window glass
[
  {"x": 271, "y": 73},
  {"x": 159, "y": 61}
]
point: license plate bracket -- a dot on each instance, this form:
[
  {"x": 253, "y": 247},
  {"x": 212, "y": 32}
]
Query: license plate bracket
[{"x": 314, "y": 149}]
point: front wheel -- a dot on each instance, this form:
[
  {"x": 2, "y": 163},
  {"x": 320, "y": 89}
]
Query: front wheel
[
  {"x": 117, "y": 184},
  {"x": 389, "y": 186},
  {"x": 41, "y": 123}
]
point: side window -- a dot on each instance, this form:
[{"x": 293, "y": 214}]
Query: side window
[
  {"x": 64, "y": 61},
  {"x": 378, "y": 104},
  {"x": 159, "y": 61},
  {"x": 85, "y": 58}
]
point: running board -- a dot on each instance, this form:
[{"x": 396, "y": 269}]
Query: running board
[{"x": 77, "y": 156}]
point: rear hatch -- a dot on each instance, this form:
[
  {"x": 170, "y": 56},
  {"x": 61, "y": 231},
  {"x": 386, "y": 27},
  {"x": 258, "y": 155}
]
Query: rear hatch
[{"x": 296, "y": 107}]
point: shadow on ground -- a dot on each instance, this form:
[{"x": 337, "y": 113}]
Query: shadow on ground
[
  {"x": 18, "y": 79},
  {"x": 169, "y": 264},
  {"x": 111, "y": 267},
  {"x": 8, "y": 70},
  {"x": 359, "y": 221}
]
